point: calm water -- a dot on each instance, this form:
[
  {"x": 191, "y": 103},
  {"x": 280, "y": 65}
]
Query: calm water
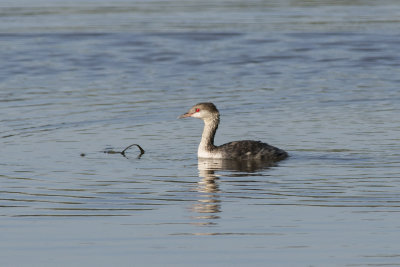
[{"x": 319, "y": 79}]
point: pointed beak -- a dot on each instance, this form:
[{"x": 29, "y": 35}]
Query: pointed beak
[{"x": 185, "y": 115}]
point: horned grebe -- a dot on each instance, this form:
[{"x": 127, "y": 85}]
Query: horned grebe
[{"x": 245, "y": 149}]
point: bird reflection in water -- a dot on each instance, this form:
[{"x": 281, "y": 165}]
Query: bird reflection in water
[{"x": 208, "y": 205}]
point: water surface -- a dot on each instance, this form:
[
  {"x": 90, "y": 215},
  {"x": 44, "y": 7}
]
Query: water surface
[{"x": 319, "y": 79}]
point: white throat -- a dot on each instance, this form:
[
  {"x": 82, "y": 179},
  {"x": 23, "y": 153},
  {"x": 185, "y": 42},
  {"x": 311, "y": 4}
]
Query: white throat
[{"x": 206, "y": 147}]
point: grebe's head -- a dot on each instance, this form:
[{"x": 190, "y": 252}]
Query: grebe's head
[{"x": 202, "y": 111}]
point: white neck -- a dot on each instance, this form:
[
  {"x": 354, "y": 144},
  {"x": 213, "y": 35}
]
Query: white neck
[{"x": 207, "y": 138}]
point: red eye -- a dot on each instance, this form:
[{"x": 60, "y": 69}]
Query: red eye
[{"x": 197, "y": 109}]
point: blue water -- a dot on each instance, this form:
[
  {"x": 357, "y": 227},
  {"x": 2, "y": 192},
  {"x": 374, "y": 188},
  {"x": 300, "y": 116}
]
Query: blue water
[{"x": 319, "y": 79}]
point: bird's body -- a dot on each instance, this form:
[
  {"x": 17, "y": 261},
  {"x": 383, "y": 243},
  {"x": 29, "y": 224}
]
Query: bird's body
[{"x": 241, "y": 150}]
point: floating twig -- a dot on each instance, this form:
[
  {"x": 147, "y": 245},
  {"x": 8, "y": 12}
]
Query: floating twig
[
  {"x": 123, "y": 151},
  {"x": 141, "y": 150}
]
